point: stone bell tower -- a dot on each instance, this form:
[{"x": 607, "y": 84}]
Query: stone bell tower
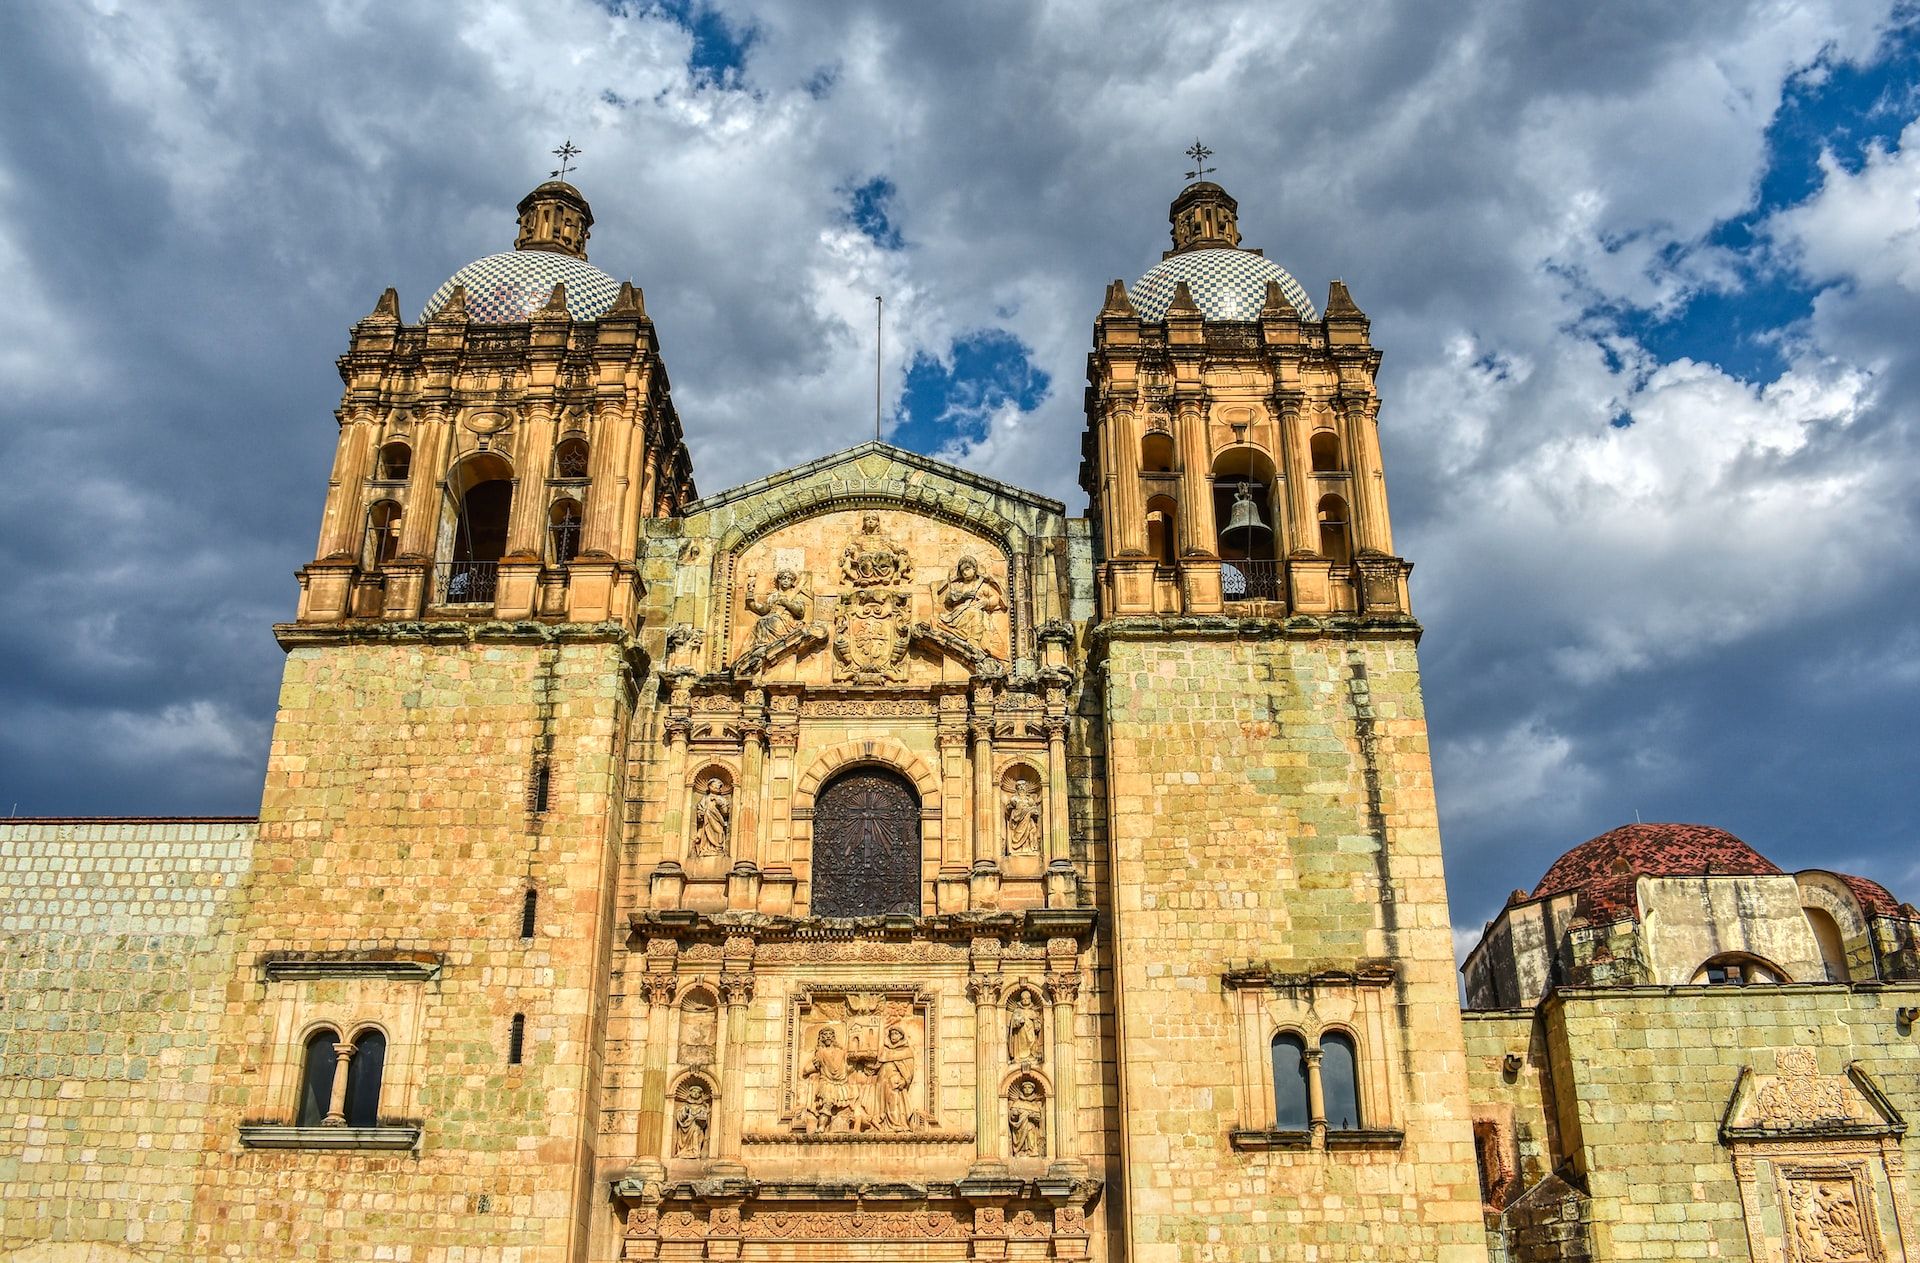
[
  {"x": 418, "y": 1014},
  {"x": 1288, "y": 1049}
]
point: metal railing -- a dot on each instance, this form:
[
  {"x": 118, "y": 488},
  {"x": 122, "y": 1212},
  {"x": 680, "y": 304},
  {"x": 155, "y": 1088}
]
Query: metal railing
[
  {"x": 466, "y": 582},
  {"x": 1250, "y": 580}
]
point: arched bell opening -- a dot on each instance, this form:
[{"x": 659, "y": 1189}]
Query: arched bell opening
[
  {"x": 1336, "y": 535},
  {"x": 1243, "y": 507},
  {"x": 1156, "y": 453},
  {"x": 479, "y": 496},
  {"x": 1161, "y": 514}
]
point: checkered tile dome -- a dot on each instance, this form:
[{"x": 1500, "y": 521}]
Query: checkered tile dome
[
  {"x": 503, "y": 288},
  {"x": 1226, "y": 284}
]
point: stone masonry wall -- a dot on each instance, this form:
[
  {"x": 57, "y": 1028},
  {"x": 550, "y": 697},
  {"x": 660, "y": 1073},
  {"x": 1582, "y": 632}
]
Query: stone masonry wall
[
  {"x": 1272, "y": 813},
  {"x": 116, "y": 942},
  {"x": 397, "y": 818}
]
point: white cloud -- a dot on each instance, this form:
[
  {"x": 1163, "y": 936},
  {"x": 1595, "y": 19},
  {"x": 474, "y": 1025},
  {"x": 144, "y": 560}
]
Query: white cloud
[{"x": 1862, "y": 227}]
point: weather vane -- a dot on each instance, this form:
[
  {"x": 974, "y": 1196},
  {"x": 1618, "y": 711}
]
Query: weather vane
[
  {"x": 1199, "y": 153},
  {"x": 566, "y": 153}
]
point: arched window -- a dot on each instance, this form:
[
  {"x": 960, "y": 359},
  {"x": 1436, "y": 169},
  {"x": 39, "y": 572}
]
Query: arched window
[
  {"x": 480, "y": 492},
  {"x": 1735, "y": 969},
  {"x": 1290, "y": 1112},
  {"x": 383, "y": 533},
  {"x": 1833, "y": 945},
  {"x": 396, "y": 462},
  {"x": 316, "y": 1080},
  {"x": 364, "y": 1069},
  {"x": 1336, "y": 541},
  {"x": 563, "y": 525},
  {"x": 1156, "y": 453},
  {"x": 1160, "y": 534},
  {"x": 866, "y": 845},
  {"x": 1324, "y": 451},
  {"x": 570, "y": 459},
  {"x": 1339, "y": 1081}
]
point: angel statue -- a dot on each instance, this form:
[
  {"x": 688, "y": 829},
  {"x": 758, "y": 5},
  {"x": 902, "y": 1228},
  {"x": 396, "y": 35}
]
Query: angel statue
[
  {"x": 780, "y": 611},
  {"x": 968, "y": 602}
]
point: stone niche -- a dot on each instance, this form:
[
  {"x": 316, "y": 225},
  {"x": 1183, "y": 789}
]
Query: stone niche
[{"x": 863, "y": 597}]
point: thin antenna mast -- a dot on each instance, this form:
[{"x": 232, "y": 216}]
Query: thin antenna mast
[{"x": 879, "y": 305}]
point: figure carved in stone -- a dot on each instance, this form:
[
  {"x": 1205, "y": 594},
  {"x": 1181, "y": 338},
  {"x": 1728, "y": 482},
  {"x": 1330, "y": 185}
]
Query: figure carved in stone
[
  {"x": 1026, "y": 1121},
  {"x": 692, "y": 1117},
  {"x": 836, "y": 1104},
  {"x": 780, "y": 611},
  {"x": 1023, "y": 1028},
  {"x": 1828, "y": 1225},
  {"x": 1021, "y": 812},
  {"x": 871, "y": 560},
  {"x": 860, "y": 1073},
  {"x": 969, "y": 600},
  {"x": 713, "y": 818},
  {"x": 895, "y": 1075}
]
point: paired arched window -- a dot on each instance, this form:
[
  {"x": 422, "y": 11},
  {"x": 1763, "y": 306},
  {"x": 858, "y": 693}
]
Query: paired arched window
[
  {"x": 396, "y": 462},
  {"x": 1336, "y": 538},
  {"x": 570, "y": 459},
  {"x": 563, "y": 527},
  {"x": 327, "y": 1101},
  {"x": 1317, "y": 1085},
  {"x": 866, "y": 845},
  {"x": 383, "y": 533}
]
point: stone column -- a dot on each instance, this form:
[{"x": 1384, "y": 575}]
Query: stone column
[
  {"x": 985, "y": 884},
  {"x": 340, "y": 523},
  {"x": 650, "y": 1130},
  {"x": 337, "y": 1099},
  {"x": 1302, "y": 532},
  {"x": 1370, "y": 487},
  {"x": 1058, "y": 842},
  {"x": 1316, "y": 1097},
  {"x": 743, "y": 879},
  {"x": 1129, "y": 497},
  {"x": 1196, "y": 526},
  {"x": 527, "y": 518},
  {"x": 420, "y": 529},
  {"x": 737, "y": 991},
  {"x": 984, "y": 990},
  {"x": 1063, "y": 989},
  {"x": 608, "y": 456}
]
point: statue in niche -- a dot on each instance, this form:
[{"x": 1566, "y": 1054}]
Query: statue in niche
[
  {"x": 782, "y": 609},
  {"x": 1021, "y": 812},
  {"x": 692, "y": 1117},
  {"x": 1026, "y": 1121},
  {"x": 836, "y": 1103},
  {"x": 969, "y": 600},
  {"x": 697, "y": 1022},
  {"x": 713, "y": 818},
  {"x": 895, "y": 1077},
  {"x": 871, "y": 560},
  {"x": 1023, "y": 1028}
]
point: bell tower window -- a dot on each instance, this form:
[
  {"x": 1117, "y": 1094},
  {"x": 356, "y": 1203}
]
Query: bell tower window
[
  {"x": 396, "y": 462},
  {"x": 563, "y": 525},
  {"x": 479, "y": 496},
  {"x": 570, "y": 459},
  {"x": 1336, "y": 541},
  {"x": 1160, "y": 532},
  {"x": 383, "y": 533},
  {"x": 1324, "y": 451}
]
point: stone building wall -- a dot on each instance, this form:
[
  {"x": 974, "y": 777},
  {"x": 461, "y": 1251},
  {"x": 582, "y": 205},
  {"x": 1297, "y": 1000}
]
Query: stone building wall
[
  {"x": 399, "y": 833},
  {"x": 1276, "y": 865},
  {"x": 116, "y": 943}
]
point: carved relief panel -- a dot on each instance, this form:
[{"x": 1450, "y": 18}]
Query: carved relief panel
[{"x": 861, "y": 1060}]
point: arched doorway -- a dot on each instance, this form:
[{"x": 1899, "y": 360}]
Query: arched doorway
[{"x": 866, "y": 845}]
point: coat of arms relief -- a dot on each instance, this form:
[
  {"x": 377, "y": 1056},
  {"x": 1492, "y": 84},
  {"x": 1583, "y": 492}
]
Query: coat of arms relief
[{"x": 873, "y": 622}]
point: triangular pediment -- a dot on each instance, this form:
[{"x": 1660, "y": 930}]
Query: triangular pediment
[
  {"x": 877, "y": 467},
  {"x": 1794, "y": 1099}
]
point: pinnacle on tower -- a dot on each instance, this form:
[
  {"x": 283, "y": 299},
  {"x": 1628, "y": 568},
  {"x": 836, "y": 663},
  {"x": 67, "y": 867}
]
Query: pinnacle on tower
[
  {"x": 1118, "y": 304},
  {"x": 555, "y": 218}
]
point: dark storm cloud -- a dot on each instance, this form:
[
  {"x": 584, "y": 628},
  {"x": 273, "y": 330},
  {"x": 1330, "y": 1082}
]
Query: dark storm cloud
[{"x": 1700, "y": 615}]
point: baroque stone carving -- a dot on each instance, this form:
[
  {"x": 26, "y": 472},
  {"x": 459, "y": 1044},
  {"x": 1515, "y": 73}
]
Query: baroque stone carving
[
  {"x": 692, "y": 1117},
  {"x": 1799, "y": 1095},
  {"x": 872, "y": 620},
  {"x": 1023, "y": 1028},
  {"x": 1027, "y": 1120},
  {"x": 872, "y": 560},
  {"x": 866, "y": 708},
  {"x": 1020, "y": 810},
  {"x": 857, "y": 1225},
  {"x": 780, "y": 611},
  {"x": 713, "y": 818},
  {"x": 970, "y": 603},
  {"x": 1829, "y": 1215},
  {"x": 861, "y": 1063}
]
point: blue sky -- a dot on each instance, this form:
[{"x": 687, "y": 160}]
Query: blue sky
[{"x": 1644, "y": 276}]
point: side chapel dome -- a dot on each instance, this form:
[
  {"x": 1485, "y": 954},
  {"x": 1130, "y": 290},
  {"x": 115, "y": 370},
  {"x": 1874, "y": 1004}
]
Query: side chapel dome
[{"x": 551, "y": 249}]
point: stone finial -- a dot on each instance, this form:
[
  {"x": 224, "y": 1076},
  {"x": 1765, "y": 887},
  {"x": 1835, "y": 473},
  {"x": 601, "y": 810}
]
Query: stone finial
[
  {"x": 1118, "y": 304},
  {"x": 555, "y": 218},
  {"x": 455, "y": 308},
  {"x": 1340, "y": 303},
  {"x": 556, "y": 301},
  {"x": 1182, "y": 304},
  {"x": 629, "y": 301},
  {"x": 388, "y": 308},
  {"x": 1276, "y": 306}
]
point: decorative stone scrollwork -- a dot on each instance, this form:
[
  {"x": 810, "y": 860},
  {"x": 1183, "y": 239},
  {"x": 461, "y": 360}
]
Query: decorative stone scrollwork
[
  {"x": 659, "y": 988},
  {"x": 692, "y": 1119},
  {"x": 872, "y": 621},
  {"x": 1026, "y": 1120},
  {"x": 981, "y": 988},
  {"x": 1063, "y": 987},
  {"x": 736, "y": 988}
]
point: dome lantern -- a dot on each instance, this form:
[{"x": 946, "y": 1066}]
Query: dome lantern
[
  {"x": 555, "y": 218},
  {"x": 1204, "y": 217}
]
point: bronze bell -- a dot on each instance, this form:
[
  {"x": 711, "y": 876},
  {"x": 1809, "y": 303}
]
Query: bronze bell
[{"x": 1245, "y": 515}]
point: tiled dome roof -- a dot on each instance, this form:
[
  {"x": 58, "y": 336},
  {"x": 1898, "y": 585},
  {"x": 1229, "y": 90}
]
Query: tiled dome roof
[
  {"x": 1603, "y": 870},
  {"x": 503, "y": 288},
  {"x": 1226, "y": 285}
]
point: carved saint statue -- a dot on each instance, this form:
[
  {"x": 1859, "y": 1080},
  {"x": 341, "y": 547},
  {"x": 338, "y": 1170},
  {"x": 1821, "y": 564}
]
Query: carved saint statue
[
  {"x": 1022, "y": 815},
  {"x": 836, "y": 1097},
  {"x": 895, "y": 1064},
  {"x": 870, "y": 559},
  {"x": 1026, "y": 1121},
  {"x": 692, "y": 1116},
  {"x": 780, "y": 611},
  {"x": 1023, "y": 1027},
  {"x": 713, "y": 818},
  {"x": 968, "y": 602}
]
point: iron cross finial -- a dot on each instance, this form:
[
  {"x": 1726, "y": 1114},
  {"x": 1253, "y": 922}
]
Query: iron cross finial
[
  {"x": 566, "y": 153},
  {"x": 1199, "y": 153}
]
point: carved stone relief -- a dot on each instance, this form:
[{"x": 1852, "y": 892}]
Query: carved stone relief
[
  {"x": 712, "y": 817},
  {"x": 782, "y": 610},
  {"x": 692, "y": 1117},
  {"x": 1026, "y": 1120},
  {"x": 697, "y": 1025},
  {"x": 971, "y": 604},
  {"x": 1020, "y": 811},
  {"x": 872, "y": 622},
  {"x": 1799, "y": 1096},
  {"x": 860, "y": 1063},
  {"x": 1828, "y": 1214}
]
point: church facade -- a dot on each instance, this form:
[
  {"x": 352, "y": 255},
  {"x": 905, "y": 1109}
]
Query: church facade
[{"x": 875, "y": 861}]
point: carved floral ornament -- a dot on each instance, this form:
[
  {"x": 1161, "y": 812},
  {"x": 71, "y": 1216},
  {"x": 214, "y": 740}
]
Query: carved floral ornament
[{"x": 860, "y": 1224}]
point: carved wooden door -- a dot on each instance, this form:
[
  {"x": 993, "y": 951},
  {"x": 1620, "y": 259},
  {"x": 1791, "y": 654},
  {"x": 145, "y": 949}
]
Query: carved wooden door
[{"x": 866, "y": 845}]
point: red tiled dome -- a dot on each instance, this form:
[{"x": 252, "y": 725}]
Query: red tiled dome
[
  {"x": 1603, "y": 870},
  {"x": 1875, "y": 900}
]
